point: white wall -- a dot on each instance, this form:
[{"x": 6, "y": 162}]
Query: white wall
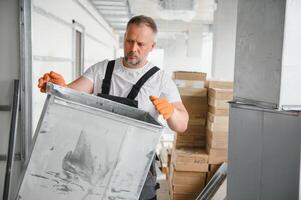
[
  {"x": 224, "y": 35},
  {"x": 53, "y": 40},
  {"x": 206, "y": 56},
  {"x": 188, "y": 52}
]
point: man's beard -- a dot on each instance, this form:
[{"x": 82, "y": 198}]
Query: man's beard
[{"x": 132, "y": 62}]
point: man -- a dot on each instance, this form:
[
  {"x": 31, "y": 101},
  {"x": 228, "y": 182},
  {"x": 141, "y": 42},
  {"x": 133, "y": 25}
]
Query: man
[{"x": 134, "y": 78}]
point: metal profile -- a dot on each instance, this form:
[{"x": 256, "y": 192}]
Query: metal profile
[
  {"x": 5, "y": 107},
  {"x": 12, "y": 139},
  {"x": 17, "y": 157},
  {"x": 25, "y": 77},
  {"x": 214, "y": 183}
]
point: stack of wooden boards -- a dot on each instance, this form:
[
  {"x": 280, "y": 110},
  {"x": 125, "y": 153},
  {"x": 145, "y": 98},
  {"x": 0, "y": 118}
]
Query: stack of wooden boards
[{"x": 198, "y": 152}]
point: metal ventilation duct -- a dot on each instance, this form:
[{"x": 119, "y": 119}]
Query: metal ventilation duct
[
  {"x": 177, "y": 4},
  {"x": 115, "y": 12}
]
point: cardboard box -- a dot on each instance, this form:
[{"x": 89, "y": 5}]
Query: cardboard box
[
  {"x": 217, "y": 134},
  {"x": 212, "y": 170},
  {"x": 184, "y": 196},
  {"x": 219, "y": 104},
  {"x": 194, "y": 136},
  {"x": 195, "y": 121},
  {"x": 190, "y": 137},
  {"x": 190, "y": 155},
  {"x": 188, "y": 140},
  {"x": 219, "y": 84},
  {"x": 196, "y": 100},
  {"x": 184, "y": 75},
  {"x": 194, "y": 144},
  {"x": 217, "y": 152},
  {"x": 195, "y": 129},
  {"x": 190, "y": 159},
  {"x": 188, "y": 178},
  {"x": 197, "y": 112},
  {"x": 197, "y": 107},
  {"x": 185, "y": 185},
  {"x": 187, "y": 189},
  {"x": 217, "y": 119},
  {"x": 219, "y": 141},
  {"x": 217, "y": 156},
  {"x": 217, "y": 159},
  {"x": 200, "y": 92},
  {"x": 189, "y": 83},
  {"x": 217, "y": 127},
  {"x": 193, "y": 86},
  {"x": 197, "y": 115},
  {"x": 221, "y": 94},
  {"x": 218, "y": 112}
]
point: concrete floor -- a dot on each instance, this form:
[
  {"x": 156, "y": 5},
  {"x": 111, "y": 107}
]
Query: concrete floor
[{"x": 163, "y": 192}]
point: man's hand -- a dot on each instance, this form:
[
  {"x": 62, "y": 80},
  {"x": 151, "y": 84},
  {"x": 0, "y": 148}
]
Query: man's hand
[
  {"x": 50, "y": 77},
  {"x": 163, "y": 106}
]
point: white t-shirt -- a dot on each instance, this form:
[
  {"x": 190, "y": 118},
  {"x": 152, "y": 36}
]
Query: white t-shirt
[{"x": 123, "y": 79}]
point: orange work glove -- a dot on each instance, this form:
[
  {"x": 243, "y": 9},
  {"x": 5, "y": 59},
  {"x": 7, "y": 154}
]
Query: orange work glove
[
  {"x": 163, "y": 106},
  {"x": 51, "y": 77}
]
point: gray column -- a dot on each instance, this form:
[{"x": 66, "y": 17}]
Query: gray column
[{"x": 267, "y": 63}]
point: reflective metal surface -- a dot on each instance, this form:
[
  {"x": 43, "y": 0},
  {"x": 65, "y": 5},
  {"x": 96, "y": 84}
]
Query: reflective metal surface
[
  {"x": 89, "y": 148},
  {"x": 264, "y": 154}
]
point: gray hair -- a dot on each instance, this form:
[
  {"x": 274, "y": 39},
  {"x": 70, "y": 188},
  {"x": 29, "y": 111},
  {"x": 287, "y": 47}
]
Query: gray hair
[{"x": 142, "y": 19}]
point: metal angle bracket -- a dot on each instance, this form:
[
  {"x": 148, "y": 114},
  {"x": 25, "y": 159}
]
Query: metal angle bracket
[{"x": 214, "y": 183}]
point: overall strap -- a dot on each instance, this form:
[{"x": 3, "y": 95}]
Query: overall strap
[
  {"x": 106, "y": 83},
  {"x": 136, "y": 88}
]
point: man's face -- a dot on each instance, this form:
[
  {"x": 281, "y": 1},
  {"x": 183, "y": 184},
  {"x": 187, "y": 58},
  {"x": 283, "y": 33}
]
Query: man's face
[{"x": 138, "y": 42}]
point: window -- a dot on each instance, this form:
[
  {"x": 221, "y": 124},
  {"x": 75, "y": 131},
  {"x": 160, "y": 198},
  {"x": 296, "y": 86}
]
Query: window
[{"x": 78, "y": 49}]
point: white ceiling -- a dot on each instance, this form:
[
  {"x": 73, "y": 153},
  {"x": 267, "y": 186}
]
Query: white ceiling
[
  {"x": 202, "y": 10},
  {"x": 171, "y": 16}
]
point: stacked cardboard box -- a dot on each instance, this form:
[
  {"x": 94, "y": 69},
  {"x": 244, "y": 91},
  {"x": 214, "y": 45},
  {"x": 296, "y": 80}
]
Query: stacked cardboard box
[
  {"x": 189, "y": 159},
  {"x": 212, "y": 169},
  {"x": 219, "y": 84},
  {"x": 194, "y": 98},
  {"x": 219, "y": 94},
  {"x": 188, "y": 171}
]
